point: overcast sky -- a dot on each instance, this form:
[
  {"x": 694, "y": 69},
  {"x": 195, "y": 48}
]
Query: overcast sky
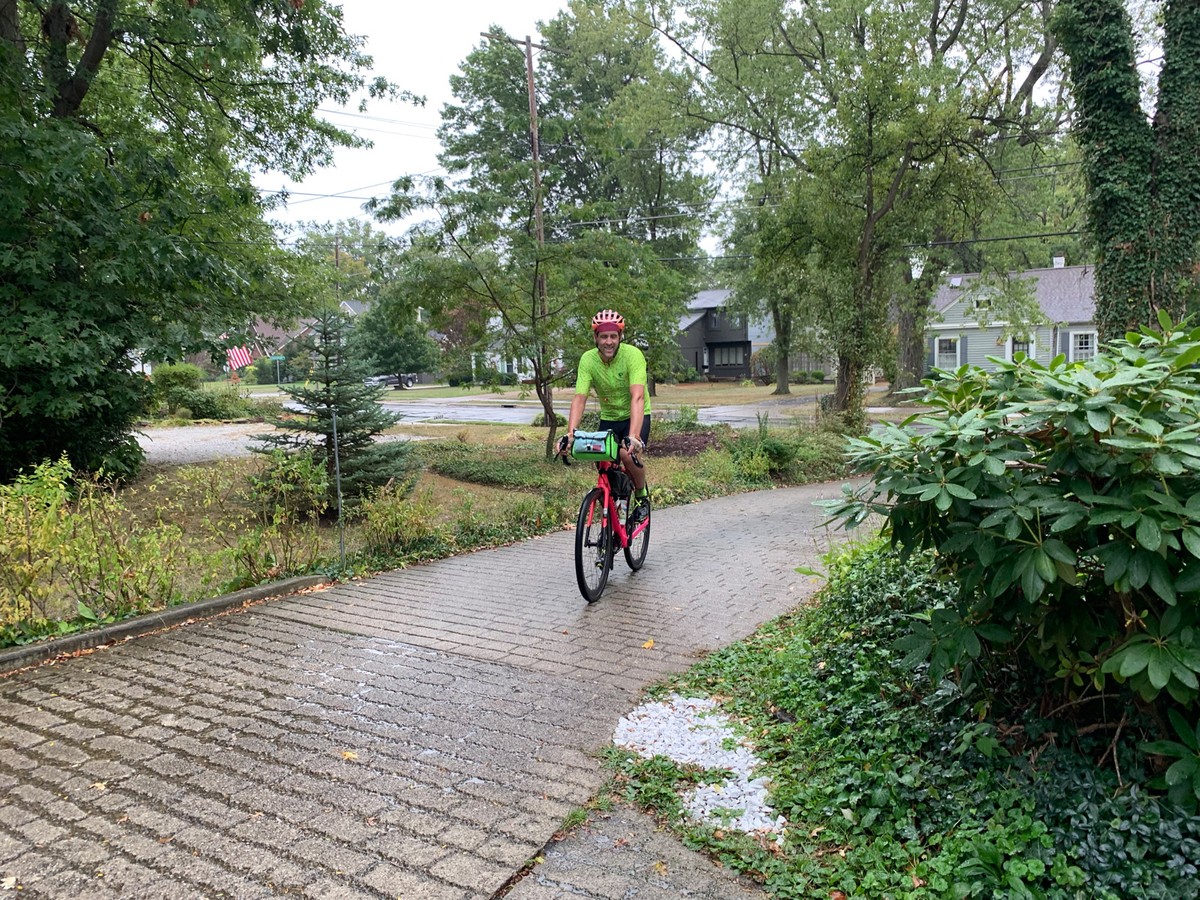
[{"x": 418, "y": 46}]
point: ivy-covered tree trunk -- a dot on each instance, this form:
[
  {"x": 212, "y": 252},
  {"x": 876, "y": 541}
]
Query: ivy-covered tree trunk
[{"x": 1143, "y": 178}]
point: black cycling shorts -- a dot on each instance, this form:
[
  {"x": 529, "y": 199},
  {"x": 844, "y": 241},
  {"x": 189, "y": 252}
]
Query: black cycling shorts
[{"x": 621, "y": 428}]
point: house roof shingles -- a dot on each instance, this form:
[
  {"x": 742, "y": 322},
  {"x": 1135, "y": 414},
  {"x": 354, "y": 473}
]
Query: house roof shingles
[
  {"x": 1065, "y": 294},
  {"x": 700, "y": 303}
]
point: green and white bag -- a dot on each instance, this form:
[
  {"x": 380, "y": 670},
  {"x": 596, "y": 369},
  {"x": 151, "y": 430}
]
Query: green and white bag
[{"x": 595, "y": 446}]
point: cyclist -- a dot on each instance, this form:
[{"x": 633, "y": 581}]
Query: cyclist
[{"x": 616, "y": 371}]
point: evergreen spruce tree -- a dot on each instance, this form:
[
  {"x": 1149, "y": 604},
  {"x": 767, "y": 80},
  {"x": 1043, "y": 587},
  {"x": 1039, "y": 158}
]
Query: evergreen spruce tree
[{"x": 335, "y": 387}]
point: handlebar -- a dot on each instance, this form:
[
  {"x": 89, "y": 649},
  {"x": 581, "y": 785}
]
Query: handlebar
[
  {"x": 566, "y": 457},
  {"x": 628, "y": 443}
]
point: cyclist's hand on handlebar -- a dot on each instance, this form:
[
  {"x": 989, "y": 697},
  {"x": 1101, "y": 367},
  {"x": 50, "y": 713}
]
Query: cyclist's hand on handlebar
[
  {"x": 563, "y": 443},
  {"x": 634, "y": 444}
]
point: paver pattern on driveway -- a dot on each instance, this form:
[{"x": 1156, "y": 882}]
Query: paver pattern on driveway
[{"x": 419, "y": 734}]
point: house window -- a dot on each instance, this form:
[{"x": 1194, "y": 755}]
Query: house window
[
  {"x": 1083, "y": 345},
  {"x": 1019, "y": 345},
  {"x": 727, "y": 356},
  {"x": 716, "y": 319},
  {"x": 947, "y": 353}
]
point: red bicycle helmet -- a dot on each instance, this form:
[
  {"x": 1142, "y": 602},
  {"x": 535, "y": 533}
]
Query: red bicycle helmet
[{"x": 609, "y": 317}]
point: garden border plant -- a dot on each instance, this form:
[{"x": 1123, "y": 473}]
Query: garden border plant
[
  {"x": 1064, "y": 503},
  {"x": 268, "y": 525},
  {"x": 890, "y": 783}
]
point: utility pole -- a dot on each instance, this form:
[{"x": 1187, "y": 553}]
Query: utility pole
[
  {"x": 539, "y": 227},
  {"x": 541, "y": 358},
  {"x": 537, "y": 171}
]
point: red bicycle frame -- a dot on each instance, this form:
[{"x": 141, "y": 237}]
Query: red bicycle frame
[{"x": 610, "y": 504}]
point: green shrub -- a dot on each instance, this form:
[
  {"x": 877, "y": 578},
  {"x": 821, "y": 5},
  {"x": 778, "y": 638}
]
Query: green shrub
[
  {"x": 539, "y": 421},
  {"x": 67, "y": 554},
  {"x": 816, "y": 376},
  {"x": 288, "y": 488},
  {"x": 402, "y": 527},
  {"x": 263, "y": 528},
  {"x": 176, "y": 375},
  {"x": 684, "y": 419},
  {"x": 496, "y": 378},
  {"x": 893, "y": 786},
  {"x": 1065, "y": 502},
  {"x": 762, "y": 454}
]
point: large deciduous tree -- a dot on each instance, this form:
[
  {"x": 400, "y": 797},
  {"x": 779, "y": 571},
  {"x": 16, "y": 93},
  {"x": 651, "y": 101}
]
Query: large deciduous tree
[
  {"x": 602, "y": 220},
  {"x": 128, "y": 222},
  {"x": 1143, "y": 175},
  {"x": 880, "y": 106}
]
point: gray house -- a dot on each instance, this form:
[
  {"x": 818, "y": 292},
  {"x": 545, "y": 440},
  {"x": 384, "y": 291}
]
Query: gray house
[
  {"x": 719, "y": 344},
  {"x": 1066, "y": 295},
  {"x": 713, "y": 341}
]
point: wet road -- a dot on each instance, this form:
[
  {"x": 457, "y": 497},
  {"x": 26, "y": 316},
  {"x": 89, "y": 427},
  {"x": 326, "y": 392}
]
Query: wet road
[{"x": 509, "y": 412}]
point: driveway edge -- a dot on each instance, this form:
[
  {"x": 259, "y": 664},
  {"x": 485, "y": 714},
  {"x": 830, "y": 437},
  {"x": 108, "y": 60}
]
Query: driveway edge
[{"x": 16, "y": 658}]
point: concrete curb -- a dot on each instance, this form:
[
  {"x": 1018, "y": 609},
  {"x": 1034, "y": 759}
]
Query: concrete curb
[{"x": 16, "y": 658}]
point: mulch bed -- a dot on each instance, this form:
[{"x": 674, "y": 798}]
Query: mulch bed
[{"x": 684, "y": 443}]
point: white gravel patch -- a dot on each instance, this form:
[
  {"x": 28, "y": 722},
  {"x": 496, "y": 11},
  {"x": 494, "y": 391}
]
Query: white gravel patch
[{"x": 693, "y": 731}]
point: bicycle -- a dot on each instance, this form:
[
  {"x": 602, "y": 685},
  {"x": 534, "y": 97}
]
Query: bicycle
[{"x": 604, "y": 523}]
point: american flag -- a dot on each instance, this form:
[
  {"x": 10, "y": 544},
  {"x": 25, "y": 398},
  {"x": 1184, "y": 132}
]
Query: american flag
[{"x": 238, "y": 357}]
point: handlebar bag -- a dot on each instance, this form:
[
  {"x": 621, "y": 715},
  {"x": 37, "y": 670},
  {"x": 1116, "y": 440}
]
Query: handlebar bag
[{"x": 595, "y": 446}]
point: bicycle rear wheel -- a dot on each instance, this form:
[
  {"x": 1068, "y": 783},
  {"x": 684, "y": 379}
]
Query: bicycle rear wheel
[
  {"x": 593, "y": 546},
  {"x": 635, "y": 553}
]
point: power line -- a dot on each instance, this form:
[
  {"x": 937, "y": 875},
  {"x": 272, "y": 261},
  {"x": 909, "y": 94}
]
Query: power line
[{"x": 986, "y": 240}]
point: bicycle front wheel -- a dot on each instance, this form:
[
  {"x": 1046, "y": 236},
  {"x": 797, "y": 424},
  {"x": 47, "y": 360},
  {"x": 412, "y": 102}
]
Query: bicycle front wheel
[
  {"x": 635, "y": 553},
  {"x": 593, "y": 546}
]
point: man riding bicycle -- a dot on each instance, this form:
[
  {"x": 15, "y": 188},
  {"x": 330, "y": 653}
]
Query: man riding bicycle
[{"x": 617, "y": 373}]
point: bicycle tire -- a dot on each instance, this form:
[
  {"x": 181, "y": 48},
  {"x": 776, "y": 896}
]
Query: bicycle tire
[
  {"x": 593, "y": 546},
  {"x": 635, "y": 553}
]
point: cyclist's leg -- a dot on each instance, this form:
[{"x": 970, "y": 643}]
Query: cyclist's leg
[{"x": 620, "y": 427}]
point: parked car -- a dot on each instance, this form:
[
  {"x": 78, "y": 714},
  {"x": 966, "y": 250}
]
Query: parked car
[{"x": 406, "y": 380}]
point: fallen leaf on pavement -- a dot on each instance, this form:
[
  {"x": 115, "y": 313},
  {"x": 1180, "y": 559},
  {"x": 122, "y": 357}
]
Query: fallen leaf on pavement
[{"x": 649, "y": 645}]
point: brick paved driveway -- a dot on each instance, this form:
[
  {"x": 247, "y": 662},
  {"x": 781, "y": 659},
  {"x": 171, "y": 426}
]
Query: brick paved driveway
[{"x": 420, "y": 734}]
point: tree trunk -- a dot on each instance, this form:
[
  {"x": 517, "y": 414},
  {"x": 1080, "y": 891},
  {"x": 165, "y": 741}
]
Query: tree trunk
[
  {"x": 61, "y": 29},
  {"x": 783, "y": 365},
  {"x": 10, "y": 26},
  {"x": 545, "y": 393},
  {"x": 783, "y": 340},
  {"x": 847, "y": 374},
  {"x": 910, "y": 351}
]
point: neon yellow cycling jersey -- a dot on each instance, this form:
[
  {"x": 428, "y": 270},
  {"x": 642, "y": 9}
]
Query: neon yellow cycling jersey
[{"x": 611, "y": 382}]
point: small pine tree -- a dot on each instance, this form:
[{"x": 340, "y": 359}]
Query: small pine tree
[{"x": 335, "y": 387}]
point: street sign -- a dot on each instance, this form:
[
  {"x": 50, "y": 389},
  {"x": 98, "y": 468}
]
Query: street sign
[{"x": 277, "y": 356}]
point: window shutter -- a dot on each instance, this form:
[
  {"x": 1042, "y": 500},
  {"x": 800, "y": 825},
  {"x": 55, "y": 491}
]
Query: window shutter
[
  {"x": 1064, "y": 344},
  {"x": 962, "y": 349},
  {"x": 931, "y": 357}
]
